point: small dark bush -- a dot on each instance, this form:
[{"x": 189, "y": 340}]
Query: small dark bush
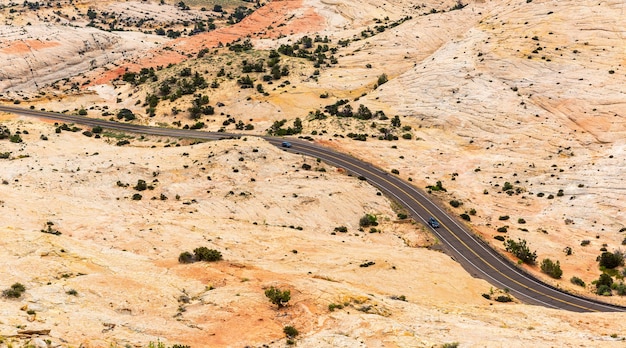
[
  {"x": 585, "y": 242},
  {"x": 577, "y": 281},
  {"x": 15, "y": 291},
  {"x": 290, "y": 331},
  {"x": 611, "y": 260},
  {"x": 504, "y": 298},
  {"x": 500, "y": 238},
  {"x": 368, "y": 220},
  {"x": 186, "y": 257},
  {"x": 502, "y": 229},
  {"x": 521, "y": 250},
  {"x": 136, "y": 197},
  {"x": 141, "y": 185},
  {"x": 503, "y": 217},
  {"x": 455, "y": 203},
  {"x": 465, "y": 217},
  {"x": 551, "y": 268},
  {"x": 278, "y": 297},
  {"x": 206, "y": 254}
]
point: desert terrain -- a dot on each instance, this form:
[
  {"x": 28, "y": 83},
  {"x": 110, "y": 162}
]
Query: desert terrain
[{"x": 516, "y": 107}]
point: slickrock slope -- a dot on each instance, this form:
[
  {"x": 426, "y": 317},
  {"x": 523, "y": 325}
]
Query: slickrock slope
[
  {"x": 112, "y": 275},
  {"x": 530, "y": 93}
]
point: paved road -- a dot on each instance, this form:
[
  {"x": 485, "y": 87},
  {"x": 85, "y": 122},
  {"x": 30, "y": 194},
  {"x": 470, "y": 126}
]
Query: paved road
[{"x": 460, "y": 243}]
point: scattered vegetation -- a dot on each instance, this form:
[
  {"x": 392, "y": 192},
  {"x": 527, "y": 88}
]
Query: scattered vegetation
[
  {"x": 200, "y": 254},
  {"x": 15, "y": 291},
  {"x": 551, "y": 268},
  {"x": 277, "y": 296},
  {"x": 521, "y": 250}
]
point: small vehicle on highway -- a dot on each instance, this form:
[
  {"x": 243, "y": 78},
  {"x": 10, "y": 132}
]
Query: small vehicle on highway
[
  {"x": 285, "y": 144},
  {"x": 432, "y": 222}
]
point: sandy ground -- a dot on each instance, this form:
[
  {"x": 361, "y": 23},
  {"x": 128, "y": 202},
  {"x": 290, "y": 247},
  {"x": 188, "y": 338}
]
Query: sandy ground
[{"x": 485, "y": 106}]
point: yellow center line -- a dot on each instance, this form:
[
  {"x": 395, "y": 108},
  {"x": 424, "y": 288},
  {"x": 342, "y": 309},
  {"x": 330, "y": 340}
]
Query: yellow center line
[{"x": 450, "y": 231}]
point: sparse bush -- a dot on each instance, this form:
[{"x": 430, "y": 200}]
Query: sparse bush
[
  {"x": 504, "y": 298},
  {"x": 333, "y": 306},
  {"x": 126, "y": 114},
  {"x": 611, "y": 260},
  {"x": 15, "y": 291},
  {"x": 368, "y": 220},
  {"x": 141, "y": 185},
  {"x": 278, "y": 297},
  {"x": 521, "y": 250},
  {"x": 603, "y": 284},
  {"x": 290, "y": 331},
  {"x": 437, "y": 187},
  {"x": 206, "y": 254},
  {"x": 186, "y": 257},
  {"x": 577, "y": 281},
  {"x": 382, "y": 79},
  {"x": 15, "y": 138},
  {"x": 551, "y": 268},
  {"x": 342, "y": 229}
]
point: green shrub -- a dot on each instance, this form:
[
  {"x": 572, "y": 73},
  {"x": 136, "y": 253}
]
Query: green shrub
[
  {"x": 577, "y": 281},
  {"x": 126, "y": 114},
  {"x": 611, "y": 260},
  {"x": 465, "y": 217},
  {"x": 15, "y": 291},
  {"x": 585, "y": 242},
  {"x": 290, "y": 331},
  {"x": 502, "y": 229},
  {"x": 551, "y": 268},
  {"x": 455, "y": 203},
  {"x": 368, "y": 220},
  {"x": 504, "y": 298},
  {"x": 15, "y": 138},
  {"x": 342, "y": 229},
  {"x": 137, "y": 197},
  {"x": 278, "y": 297},
  {"x": 521, "y": 250},
  {"x": 141, "y": 185},
  {"x": 186, "y": 257},
  {"x": 603, "y": 284},
  {"x": 437, "y": 187},
  {"x": 521, "y": 221},
  {"x": 500, "y": 238},
  {"x": 503, "y": 218},
  {"x": 206, "y": 254},
  {"x": 395, "y": 171}
]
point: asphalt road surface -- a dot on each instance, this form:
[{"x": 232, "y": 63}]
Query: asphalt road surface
[{"x": 459, "y": 242}]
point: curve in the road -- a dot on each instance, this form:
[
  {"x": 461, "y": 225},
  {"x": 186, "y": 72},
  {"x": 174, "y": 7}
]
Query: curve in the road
[{"x": 473, "y": 254}]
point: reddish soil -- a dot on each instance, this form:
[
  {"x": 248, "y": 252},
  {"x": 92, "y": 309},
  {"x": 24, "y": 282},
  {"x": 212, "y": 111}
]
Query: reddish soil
[
  {"x": 25, "y": 46},
  {"x": 279, "y": 17}
]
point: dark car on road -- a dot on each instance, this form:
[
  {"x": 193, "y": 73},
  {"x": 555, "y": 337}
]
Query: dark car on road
[
  {"x": 432, "y": 222},
  {"x": 285, "y": 144}
]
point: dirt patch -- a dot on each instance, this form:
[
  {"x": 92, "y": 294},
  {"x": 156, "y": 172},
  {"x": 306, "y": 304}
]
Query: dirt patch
[{"x": 25, "y": 46}]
